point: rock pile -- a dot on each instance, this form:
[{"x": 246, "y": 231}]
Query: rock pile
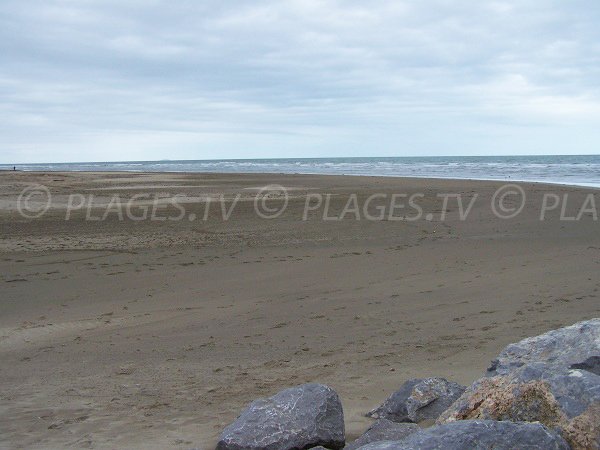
[
  {"x": 552, "y": 379},
  {"x": 540, "y": 393}
]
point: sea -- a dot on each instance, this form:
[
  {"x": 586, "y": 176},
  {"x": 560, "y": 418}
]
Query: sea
[{"x": 579, "y": 170}]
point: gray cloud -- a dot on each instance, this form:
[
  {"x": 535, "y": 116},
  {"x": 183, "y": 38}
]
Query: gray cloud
[{"x": 118, "y": 80}]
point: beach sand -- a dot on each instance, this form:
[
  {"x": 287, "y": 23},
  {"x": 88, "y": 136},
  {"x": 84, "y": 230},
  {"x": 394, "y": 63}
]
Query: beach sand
[{"x": 156, "y": 333}]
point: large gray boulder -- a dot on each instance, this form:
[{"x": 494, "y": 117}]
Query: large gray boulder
[
  {"x": 565, "y": 347},
  {"x": 564, "y": 399},
  {"x": 301, "y": 417},
  {"x": 553, "y": 378},
  {"x": 419, "y": 399},
  {"x": 478, "y": 435},
  {"x": 383, "y": 430}
]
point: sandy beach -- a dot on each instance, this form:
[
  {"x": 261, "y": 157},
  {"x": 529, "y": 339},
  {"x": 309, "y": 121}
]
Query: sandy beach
[{"x": 125, "y": 331}]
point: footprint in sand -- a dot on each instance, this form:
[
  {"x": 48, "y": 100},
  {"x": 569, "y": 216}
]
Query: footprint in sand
[{"x": 31, "y": 334}]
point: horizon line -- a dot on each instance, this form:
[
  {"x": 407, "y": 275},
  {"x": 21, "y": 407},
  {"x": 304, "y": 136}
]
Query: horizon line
[{"x": 294, "y": 158}]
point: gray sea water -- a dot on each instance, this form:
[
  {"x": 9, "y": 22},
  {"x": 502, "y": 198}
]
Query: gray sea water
[{"x": 582, "y": 170}]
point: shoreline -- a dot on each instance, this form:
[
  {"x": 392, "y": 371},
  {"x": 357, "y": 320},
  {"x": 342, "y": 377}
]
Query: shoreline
[{"x": 266, "y": 174}]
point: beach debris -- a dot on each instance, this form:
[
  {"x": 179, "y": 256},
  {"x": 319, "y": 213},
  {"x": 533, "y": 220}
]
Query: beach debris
[
  {"x": 125, "y": 370},
  {"x": 383, "y": 430},
  {"x": 566, "y": 346},
  {"x": 477, "y": 435},
  {"x": 301, "y": 417},
  {"x": 419, "y": 399}
]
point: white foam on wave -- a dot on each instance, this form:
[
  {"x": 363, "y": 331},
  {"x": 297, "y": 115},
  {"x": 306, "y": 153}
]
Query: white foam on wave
[{"x": 565, "y": 170}]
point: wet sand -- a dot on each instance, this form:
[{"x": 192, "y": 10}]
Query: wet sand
[{"x": 155, "y": 333}]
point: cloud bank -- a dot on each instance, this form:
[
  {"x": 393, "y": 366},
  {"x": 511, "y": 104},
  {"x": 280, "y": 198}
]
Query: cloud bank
[{"x": 86, "y": 80}]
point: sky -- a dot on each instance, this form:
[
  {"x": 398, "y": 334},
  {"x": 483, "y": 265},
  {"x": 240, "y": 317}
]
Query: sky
[{"x": 86, "y": 80}]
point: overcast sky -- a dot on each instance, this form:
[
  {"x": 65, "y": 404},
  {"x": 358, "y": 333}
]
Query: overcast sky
[{"x": 85, "y": 80}]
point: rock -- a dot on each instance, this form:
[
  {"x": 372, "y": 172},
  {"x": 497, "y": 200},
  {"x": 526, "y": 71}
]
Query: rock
[
  {"x": 418, "y": 400},
  {"x": 478, "y": 435},
  {"x": 552, "y": 378},
  {"x": 301, "y": 417},
  {"x": 566, "y": 346},
  {"x": 592, "y": 364},
  {"x": 564, "y": 399},
  {"x": 383, "y": 430}
]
